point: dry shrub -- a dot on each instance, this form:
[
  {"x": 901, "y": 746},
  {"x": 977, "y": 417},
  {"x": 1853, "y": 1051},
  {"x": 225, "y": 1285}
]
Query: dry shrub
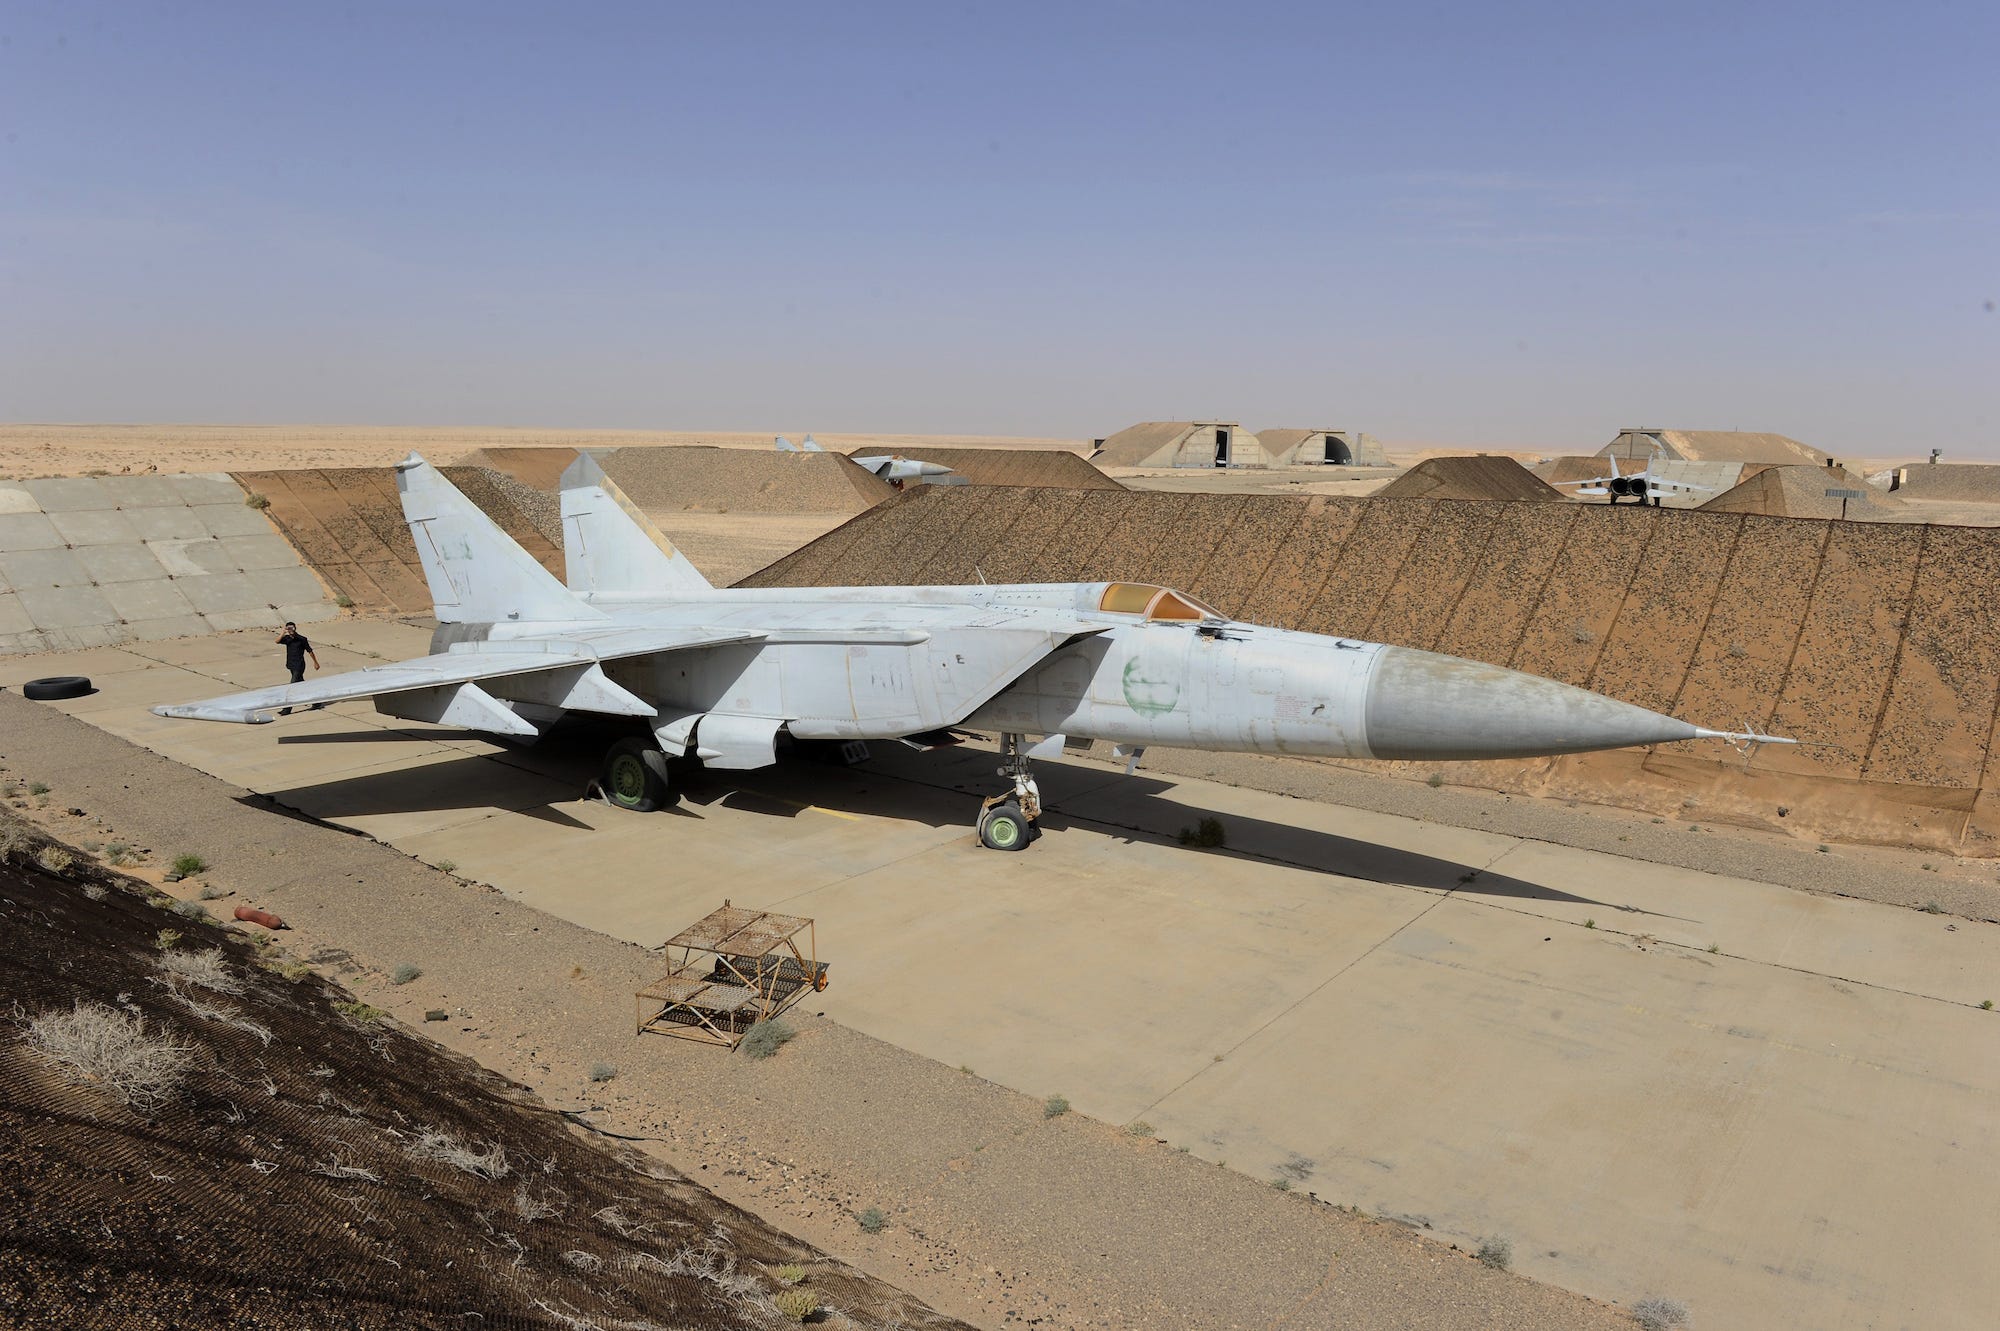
[
  {"x": 532, "y": 1207},
  {"x": 767, "y": 1037},
  {"x": 205, "y": 969},
  {"x": 439, "y": 1147},
  {"x": 112, "y": 1049},
  {"x": 1660, "y": 1314}
]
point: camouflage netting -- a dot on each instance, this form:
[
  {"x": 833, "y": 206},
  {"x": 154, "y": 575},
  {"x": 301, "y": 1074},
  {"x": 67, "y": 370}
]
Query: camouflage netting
[
  {"x": 1875, "y": 645},
  {"x": 314, "y": 1169}
]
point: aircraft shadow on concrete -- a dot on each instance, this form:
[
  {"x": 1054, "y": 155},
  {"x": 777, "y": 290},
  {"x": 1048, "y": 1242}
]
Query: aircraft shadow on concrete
[{"x": 937, "y": 789}]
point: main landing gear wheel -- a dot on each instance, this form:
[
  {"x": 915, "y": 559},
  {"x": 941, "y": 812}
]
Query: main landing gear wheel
[
  {"x": 635, "y": 777},
  {"x": 1004, "y": 827}
]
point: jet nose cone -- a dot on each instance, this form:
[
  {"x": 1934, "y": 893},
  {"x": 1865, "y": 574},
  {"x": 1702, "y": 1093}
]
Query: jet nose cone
[
  {"x": 933, "y": 469},
  {"x": 1425, "y": 706}
]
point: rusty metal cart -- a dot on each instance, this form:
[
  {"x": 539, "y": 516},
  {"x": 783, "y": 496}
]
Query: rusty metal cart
[{"x": 728, "y": 971}]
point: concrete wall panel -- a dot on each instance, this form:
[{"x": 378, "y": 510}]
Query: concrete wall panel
[
  {"x": 43, "y": 568},
  {"x": 166, "y": 524},
  {"x": 206, "y": 489},
  {"x": 69, "y": 494},
  {"x": 158, "y": 599},
  {"x": 121, "y": 563},
  {"x": 65, "y": 607},
  {"x": 192, "y": 559},
  {"x": 250, "y": 617},
  {"x": 140, "y": 492},
  {"x": 266, "y": 549},
  {"x": 28, "y": 531},
  {"x": 94, "y": 527}
]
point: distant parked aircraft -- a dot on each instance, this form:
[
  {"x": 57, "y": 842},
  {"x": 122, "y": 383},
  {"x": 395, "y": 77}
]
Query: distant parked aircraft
[
  {"x": 1636, "y": 485},
  {"x": 719, "y": 675}
]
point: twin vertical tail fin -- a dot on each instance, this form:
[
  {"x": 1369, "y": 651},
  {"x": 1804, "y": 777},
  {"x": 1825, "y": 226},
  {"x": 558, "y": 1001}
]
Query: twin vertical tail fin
[
  {"x": 477, "y": 573},
  {"x": 611, "y": 546}
]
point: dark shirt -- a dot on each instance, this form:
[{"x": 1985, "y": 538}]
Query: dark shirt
[{"x": 296, "y": 648}]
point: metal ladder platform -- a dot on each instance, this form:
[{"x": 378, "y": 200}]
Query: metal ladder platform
[{"x": 728, "y": 971}]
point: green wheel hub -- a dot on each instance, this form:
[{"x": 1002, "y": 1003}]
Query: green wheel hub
[
  {"x": 628, "y": 778},
  {"x": 1004, "y": 832}
]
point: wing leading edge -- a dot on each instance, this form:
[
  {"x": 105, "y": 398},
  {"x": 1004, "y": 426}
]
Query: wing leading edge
[{"x": 580, "y": 654}]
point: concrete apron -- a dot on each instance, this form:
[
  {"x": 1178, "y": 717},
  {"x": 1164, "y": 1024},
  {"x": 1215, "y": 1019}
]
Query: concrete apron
[{"x": 1799, "y": 1128}]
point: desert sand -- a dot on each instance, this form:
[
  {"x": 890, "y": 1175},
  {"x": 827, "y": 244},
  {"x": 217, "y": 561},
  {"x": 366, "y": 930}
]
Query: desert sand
[{"x": 75, "y": 450}]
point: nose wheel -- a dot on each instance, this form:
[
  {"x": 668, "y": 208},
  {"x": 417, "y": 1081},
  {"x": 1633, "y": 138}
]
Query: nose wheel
[{"x": 1007, "y": 822}]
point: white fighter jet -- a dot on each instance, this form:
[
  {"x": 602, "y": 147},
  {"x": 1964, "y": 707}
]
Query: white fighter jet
[
  {"x": 891, "y": 467},
  {"x": 1636, "y": 485},
  {"x": 721, "y": 675}
]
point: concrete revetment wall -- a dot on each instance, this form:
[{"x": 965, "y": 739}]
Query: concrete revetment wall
[
  {"x": 87, "y": 561},
  {"x": 1876, "y": 646}
]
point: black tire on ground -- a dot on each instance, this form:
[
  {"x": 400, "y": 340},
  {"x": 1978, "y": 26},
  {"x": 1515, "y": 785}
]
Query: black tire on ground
[
  {"x": 56, "y": 686},
  {"x": 1004, "y": 827},
  {"x": 635, "y": 776}
]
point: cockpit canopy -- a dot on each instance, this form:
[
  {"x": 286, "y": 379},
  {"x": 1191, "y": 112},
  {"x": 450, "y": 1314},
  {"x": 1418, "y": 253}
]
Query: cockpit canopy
[{"x": 1143, "y": 598}]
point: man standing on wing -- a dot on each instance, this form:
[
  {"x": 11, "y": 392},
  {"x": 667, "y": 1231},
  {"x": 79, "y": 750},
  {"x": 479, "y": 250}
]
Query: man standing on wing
[{"x": 297, "y": 649}]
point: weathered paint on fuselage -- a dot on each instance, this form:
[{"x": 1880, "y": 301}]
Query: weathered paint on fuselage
[{"x": 882, "y": 662}]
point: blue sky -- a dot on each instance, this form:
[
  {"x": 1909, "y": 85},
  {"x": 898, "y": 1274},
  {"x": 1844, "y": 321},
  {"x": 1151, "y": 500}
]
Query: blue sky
[{"x": 1525, "y": 225}]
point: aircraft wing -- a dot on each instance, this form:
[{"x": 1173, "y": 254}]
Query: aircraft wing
[{"x": 581, "y": 653}]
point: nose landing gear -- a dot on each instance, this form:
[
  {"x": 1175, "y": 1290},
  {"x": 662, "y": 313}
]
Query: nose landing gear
[{"x": 1007, "y": 822}]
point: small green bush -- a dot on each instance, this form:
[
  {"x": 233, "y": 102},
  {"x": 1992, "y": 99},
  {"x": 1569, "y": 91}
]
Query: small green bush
[
  {"x": 767, "y": 1038},
  {"x": 788, "y": 1275},
  {"x": 1281, "y": 1184},
  {"x": 1209, "y": 834},
  {"x": 405, "y": 973},
  {"x": 1590, "y": 924},
  {"x": 1986, "y": 1006},
  {"x": 38, "y": 787},
  {"x": 1139, "y": 1128},
  {"x": 795, "y": 1304},
  {"x": 872, "y": 1220},
  {"x": 1436, "y": 780},
  {"x": 166, "y": 938},
  {"x": 344, "y": 601},
  {"x": 256, "y": 501},
  {"x": 603, "y": 1071},
  {"x": 359, "y": 1013},
  {"x": 1931, "y": 908},
  {"x": 1055, "y": 1107},
  {"x": 193, "y": 910},
  {"x": 1496, "y": 1253},
  {"x": 55, "y": 859},
  {"x": 189, "y": 864},
  {"x": 210, "y": 892}
]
